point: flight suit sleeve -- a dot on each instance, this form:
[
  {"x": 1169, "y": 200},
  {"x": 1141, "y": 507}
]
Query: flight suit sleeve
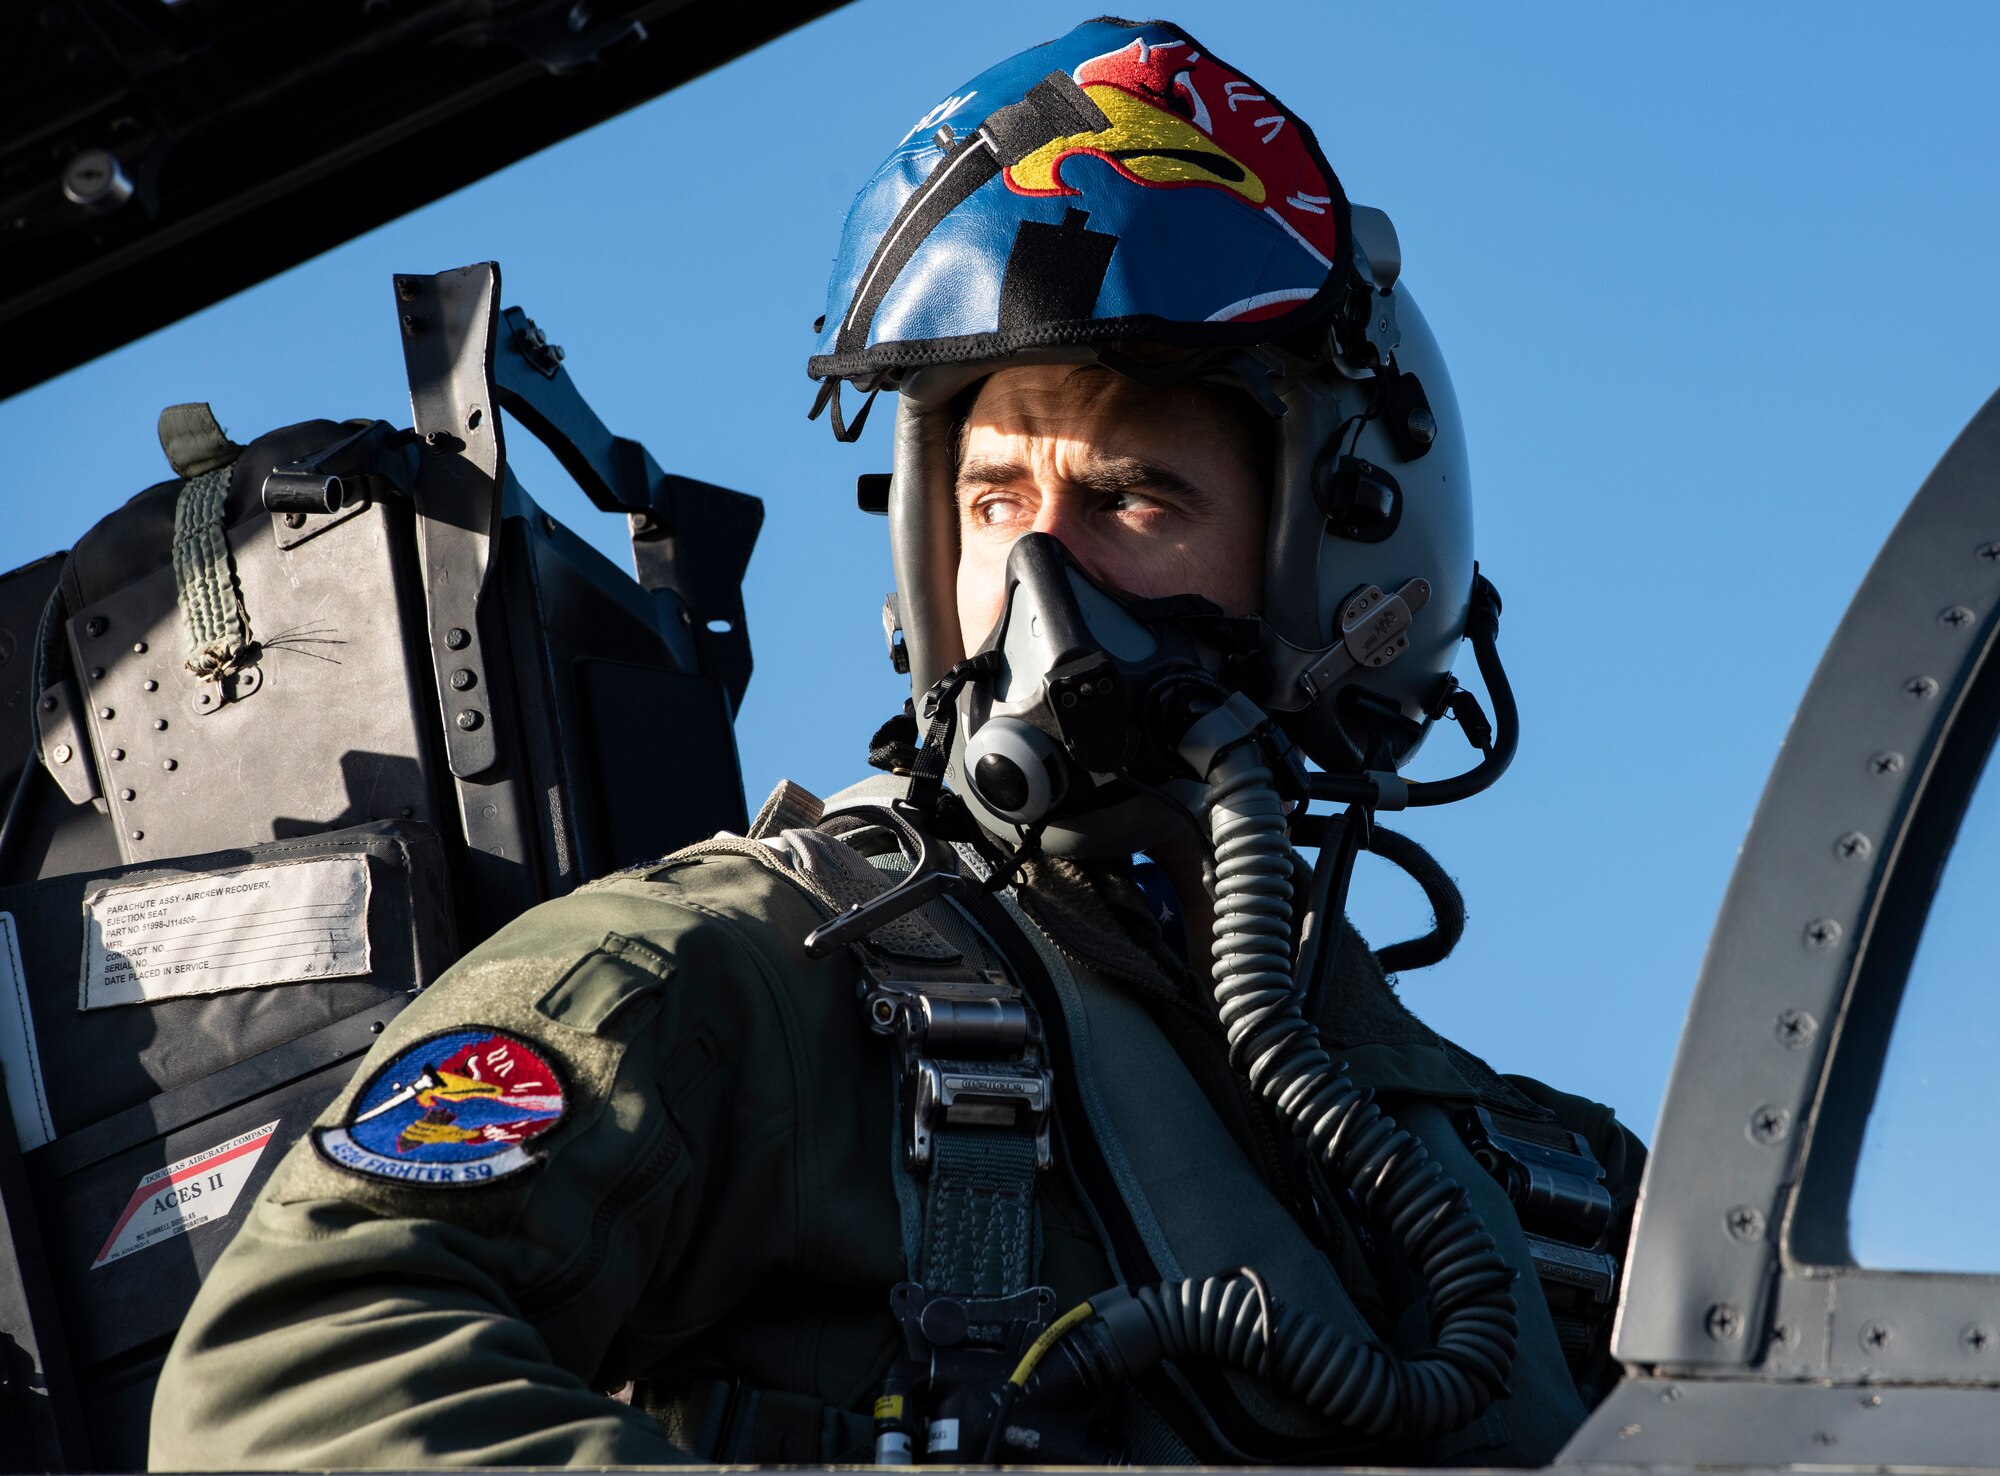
[{"x": 365, "y": 1320}]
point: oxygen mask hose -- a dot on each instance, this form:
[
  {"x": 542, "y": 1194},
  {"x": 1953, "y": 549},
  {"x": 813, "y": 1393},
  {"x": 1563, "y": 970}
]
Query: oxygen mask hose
[{"x": 1359, "y": 1385}]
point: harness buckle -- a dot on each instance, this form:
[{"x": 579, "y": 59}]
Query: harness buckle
[
  {"x": 1554, "y": 1180},
  {"x": 972, "y": 1056}
]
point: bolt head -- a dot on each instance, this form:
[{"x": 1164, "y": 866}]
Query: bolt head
[
  {"x": 1921, "y": 688},
  {"x": 295, "y": 520},
  {"x": 1886, "y": 764},
  {"x": 1423, "y": 427},
  {"x": 456, "y": 639},
  {"x": 48, "y": 704},
  {"x": 96, "y": 626},
  {"x": 1878, "y": 1337},
  {"x": 1796, "y": 1028},
  {"x": 1724, "y": 1323},
  {"x": 1854, "y": 846},
  {"x": 1821, "y": 934},
  {"x": 1770, "y": 1123},
  {"x": 1745, "y": 1222},
  {"x": 462, "y": 680},
  {"x": 1976, "y": 1338},
  {"x": 470, "y": 719},
  {"x": 62, "y": 753},
  {"x": 1957, "y": 617}
]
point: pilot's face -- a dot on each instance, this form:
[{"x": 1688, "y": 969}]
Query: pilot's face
[{"x": 1153, "y": 490}]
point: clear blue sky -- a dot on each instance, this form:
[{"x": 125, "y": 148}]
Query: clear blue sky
[{"x": 1717, "y": 283}]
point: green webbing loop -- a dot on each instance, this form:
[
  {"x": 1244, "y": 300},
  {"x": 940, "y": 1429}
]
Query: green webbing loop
[
  {"x": 211, "y": 604},
  {"x": 979, "y": 1213}
]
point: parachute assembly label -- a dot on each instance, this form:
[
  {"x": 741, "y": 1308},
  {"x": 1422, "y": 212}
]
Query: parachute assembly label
[
  {"x": 274, "y": 924},
  {"x": 194, "y": 1191}
]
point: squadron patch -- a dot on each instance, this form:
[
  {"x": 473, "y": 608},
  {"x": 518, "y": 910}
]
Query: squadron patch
[{"x": 455, "y": 1109}]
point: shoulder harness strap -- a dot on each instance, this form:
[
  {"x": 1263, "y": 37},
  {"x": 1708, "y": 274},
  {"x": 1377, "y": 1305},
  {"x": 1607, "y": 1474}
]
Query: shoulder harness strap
[{"x": 974, "y": 1081}]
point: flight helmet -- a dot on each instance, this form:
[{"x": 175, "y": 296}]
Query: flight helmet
[{"x": 1121, "y": 196}]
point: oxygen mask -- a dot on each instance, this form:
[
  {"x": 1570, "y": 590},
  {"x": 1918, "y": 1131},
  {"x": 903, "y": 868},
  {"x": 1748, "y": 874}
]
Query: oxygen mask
[{"x": 1069, "y": 718}]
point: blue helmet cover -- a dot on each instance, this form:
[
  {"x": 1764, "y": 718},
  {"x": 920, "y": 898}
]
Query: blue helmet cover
[{"x": 1116, "y": 183}]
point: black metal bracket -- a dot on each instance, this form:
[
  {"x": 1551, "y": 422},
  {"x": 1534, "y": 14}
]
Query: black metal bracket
[
  {"x": 691, "y": 540},
  {"x": 449, "y": 326}
]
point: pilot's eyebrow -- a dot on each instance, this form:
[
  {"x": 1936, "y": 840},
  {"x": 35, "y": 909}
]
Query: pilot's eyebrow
[{"x": 1101, "y": 474}]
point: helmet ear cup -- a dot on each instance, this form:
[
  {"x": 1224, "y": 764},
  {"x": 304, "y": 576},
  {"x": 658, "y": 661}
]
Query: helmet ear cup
[{"x": 1015, "y": 770}]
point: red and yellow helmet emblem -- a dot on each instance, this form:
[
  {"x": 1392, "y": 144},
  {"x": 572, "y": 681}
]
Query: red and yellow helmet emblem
[{"x": 1180, "y": 119}]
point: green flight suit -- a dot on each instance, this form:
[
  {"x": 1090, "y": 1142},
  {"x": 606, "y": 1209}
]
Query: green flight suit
[{"x": 719, "y": 1200}]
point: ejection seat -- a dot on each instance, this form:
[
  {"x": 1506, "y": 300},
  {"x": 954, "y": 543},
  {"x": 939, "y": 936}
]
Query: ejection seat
[{"x": 280, "y": 739}]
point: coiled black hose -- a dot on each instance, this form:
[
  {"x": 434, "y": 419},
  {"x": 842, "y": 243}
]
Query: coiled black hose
[{"x": 1360, "y": 1385}]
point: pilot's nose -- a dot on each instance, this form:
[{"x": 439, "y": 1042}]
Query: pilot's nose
[{"x": 1063, "y": 518}]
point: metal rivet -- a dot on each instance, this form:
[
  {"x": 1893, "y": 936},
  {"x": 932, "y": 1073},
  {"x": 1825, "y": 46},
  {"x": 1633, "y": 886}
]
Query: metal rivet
[
  {"x": 1724, "y": 1323},
  {"x": 138, "y": 835},
  {"x": 1670, "y": 1394},
  {"x": 549, "y": 525},
  {"x": 48, "y": 704},
  {"x": 96, "y": 625},
  {"x": 1870, "y": 1401},
  {"x": 1745, "y": 1222},
  {"x": 138, "y": 648},
  {"x": 1878, "y": 1337},
  {"x": 1822, "y": 933},
  {"x": 457, "y": 639},
  {"x": 374, "y": 1027},
  {"x": 462, "y": 680},
  {"x": 1922, "y": 688},
  {"x": 1770, "y": 1123},
  {"x": 295, "y": 520},
  {"x": 128, "y": 794},
  {"x": 1784, "y": 1335},
  {"x": 159, "y": 725},
  {"x": 1957, "y": 617},
  {"x": 1796, "y": 1028},
  {"x": 149, "y": 685},
  {"x": 62, "y": 753},
  {"x": 470, "y": 719},
  {"x": 106, "y": 713},
  {"x": 97, "y": 673},
  {"x": 1854, "y": 846},
  {"x": 1886, "y": 763},
  {"x": 1976, "y": 1338},
  {"x": 407, "y": 812},
  {"x": 170, "y": 764},
  {"x": 1825, "y": 1437},
  {"x": 117, "y": 753},
  {"x": 1626, "y": 1432}
]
